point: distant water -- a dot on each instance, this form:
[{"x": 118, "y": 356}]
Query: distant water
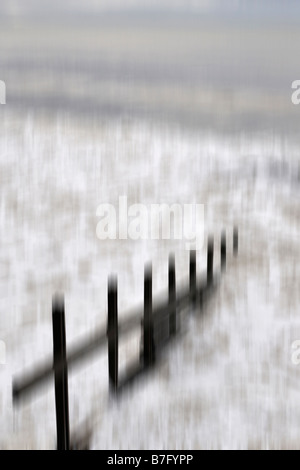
[{"x": 220, "y": 73}]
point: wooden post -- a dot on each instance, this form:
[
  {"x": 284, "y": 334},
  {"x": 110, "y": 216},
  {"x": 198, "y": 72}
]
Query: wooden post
[
  {"x": 60, "y": 375},
  {"x": 172, "y": 295},
  {"x": 193, "y": 274},
  {"x": 112, "y": 332},
  {"x": 149, "y": 352},
  {"x": 223, "y": 250},
  {"x": 210, "y": 260},
  {"x": 235, "y": 241}
]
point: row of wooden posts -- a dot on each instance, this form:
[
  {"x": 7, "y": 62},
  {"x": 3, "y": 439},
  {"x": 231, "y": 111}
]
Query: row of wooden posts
[{"x": 151, "y": 320}]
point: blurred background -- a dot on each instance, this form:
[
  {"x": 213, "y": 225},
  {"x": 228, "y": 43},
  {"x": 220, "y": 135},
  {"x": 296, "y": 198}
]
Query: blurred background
[
  {"x": 222, "y": 64},
  {"x": 164, "y": 101}
]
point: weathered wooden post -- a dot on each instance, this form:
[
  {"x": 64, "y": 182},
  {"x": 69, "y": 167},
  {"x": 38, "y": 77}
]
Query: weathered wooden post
[
  {"x": 112, "y": 333},
  {"x": 193, "y": 275},
  {"x": 149, "y": 352},
  {"x": 223, "y": 250},
  {"x": 172, "y": 295},
  {"x": 235, "y": 241},
  {"x": 60, "y": 374},
  {"x": 210, "y": 260}
]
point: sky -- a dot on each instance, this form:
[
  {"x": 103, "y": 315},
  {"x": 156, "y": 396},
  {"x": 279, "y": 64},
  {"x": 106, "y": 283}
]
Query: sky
[
  {"x": 13, "y": 8},
  {"x": 69, "y": 52}
]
